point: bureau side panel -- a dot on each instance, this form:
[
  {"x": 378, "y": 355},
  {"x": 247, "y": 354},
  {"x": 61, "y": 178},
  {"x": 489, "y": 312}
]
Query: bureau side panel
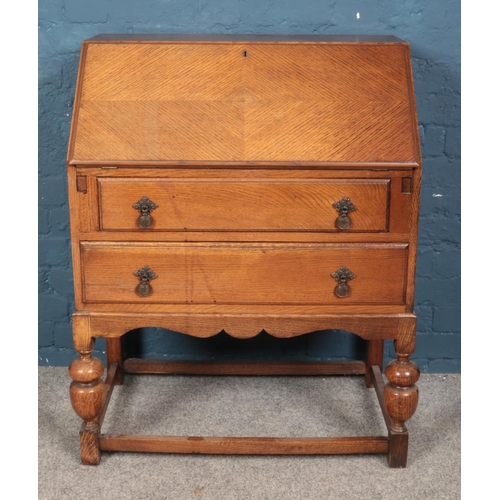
[{"x": 75, "y": 220}]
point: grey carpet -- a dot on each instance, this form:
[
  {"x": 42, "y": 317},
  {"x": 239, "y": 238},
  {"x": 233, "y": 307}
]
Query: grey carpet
[{"x": 249, "y": 406}]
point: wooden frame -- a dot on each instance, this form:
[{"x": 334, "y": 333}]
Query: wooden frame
[
  {"x": 397, "y": 398},
  {"x": 244, "y": 445}
]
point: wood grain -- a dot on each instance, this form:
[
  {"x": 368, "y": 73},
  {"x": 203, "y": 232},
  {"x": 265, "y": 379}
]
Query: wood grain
[
  {"x": 278, "y": 323},
  {"x": 244, "y": 142},
  {"x": 221, "y": 171},
  {"x": 109, "y": 384},
  {"x": 243, "y": 205},
  {"x": 397, "y": 458},
  {"x": 114, "y": 356},
  {"x": 379, "y": 385},
  {"x": 281, "y": 368},
  {"x": 206, "y": 102},
  {"x": 244, "y": 273},
  {"x": 87, "y": 397},
  {"x": 243, "y": 445},
  {"x": 374, "y": 357}
]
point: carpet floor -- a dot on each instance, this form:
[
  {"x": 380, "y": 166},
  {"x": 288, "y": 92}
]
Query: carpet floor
[{"x": 249, "y": 406}]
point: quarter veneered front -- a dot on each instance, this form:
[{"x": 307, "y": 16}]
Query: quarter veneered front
[{"x": 254, "y": 102}]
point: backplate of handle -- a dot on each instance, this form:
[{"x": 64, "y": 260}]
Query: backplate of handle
[
  {"x": 145, "y": 275},
  {"x": 344, "y": 207},
  {"x": 343, "y": 275}
]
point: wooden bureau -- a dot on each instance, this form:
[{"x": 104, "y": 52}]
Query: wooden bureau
[{"x": 244, "y": 183}]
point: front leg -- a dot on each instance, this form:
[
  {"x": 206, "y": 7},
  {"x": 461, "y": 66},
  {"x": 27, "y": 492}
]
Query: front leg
[
  {"x": 401, "y": 399},
  {"x": 86, "y": 390},
  {"x": 86, "y": 393}
]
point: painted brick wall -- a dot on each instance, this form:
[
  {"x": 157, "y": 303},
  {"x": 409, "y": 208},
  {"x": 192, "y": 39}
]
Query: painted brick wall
[{"x": 433, "y": 29}]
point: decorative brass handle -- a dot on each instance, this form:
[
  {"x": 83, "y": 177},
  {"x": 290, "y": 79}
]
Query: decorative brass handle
[
  {"x": 145, "y": 274},
  {"x": 343, "y": 207},
  {"x": 343, "y": 275},
  {"x": 145, "y": 206}
]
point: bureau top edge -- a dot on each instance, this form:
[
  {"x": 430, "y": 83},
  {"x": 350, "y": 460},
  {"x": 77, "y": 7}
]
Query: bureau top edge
[
  {"x": 244, "y": 38},
  {"x": 248, "y": 165}
]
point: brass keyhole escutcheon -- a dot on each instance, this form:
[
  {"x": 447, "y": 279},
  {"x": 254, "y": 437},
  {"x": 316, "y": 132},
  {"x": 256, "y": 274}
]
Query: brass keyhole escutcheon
[
  {"x": 145, "y": 206},
  {"x": 145, "y": 274},
  {"x": 343, "y": 275},
  {"x": 344, "y": 207}
]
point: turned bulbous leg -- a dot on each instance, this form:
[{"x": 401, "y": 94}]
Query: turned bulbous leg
[
  {"x": 401, "y": 393},
  {"x": 401, "y": 399},
  {"x": 87, "y": 393}
]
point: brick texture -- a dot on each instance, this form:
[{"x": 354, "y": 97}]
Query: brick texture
[{"x": 433, "y": 29}]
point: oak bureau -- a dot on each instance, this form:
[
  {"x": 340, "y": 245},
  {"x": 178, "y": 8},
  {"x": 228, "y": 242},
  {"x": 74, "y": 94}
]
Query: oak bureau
[{"x": 244, "y": 183}]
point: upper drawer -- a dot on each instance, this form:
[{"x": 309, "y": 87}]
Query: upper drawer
[{"x": 244, "y": 205}]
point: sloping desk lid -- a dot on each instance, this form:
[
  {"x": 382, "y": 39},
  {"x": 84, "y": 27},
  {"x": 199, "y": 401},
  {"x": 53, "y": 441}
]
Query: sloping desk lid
[{"x": 245, "y": 100}]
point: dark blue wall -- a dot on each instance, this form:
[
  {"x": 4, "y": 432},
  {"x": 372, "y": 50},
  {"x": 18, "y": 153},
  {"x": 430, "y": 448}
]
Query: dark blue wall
[{"x": 433, "y": 29}]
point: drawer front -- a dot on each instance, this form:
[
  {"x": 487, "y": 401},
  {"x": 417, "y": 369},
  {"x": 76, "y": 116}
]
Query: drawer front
[
  {"x": 244, "y": 205},
  {"x": 253, "y": 273}
]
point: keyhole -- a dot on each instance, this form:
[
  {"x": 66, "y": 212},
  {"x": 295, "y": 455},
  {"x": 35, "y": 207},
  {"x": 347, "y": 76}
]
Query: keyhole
[{"x": 245, "y": 53}]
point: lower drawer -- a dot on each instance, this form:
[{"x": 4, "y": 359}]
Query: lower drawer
[{"x": 250, "y": 273}]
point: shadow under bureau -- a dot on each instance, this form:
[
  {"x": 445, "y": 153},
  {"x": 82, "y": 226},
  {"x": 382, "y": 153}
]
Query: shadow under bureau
[{"x": 244, "y": 183}]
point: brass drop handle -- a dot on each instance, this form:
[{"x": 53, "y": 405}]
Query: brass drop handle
[
  {"x": 344, "y": 207},
  {"x": 145, "y": 207},
  {"x": 145, "y": 274},
  {"x": 343, "y": 275}
]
